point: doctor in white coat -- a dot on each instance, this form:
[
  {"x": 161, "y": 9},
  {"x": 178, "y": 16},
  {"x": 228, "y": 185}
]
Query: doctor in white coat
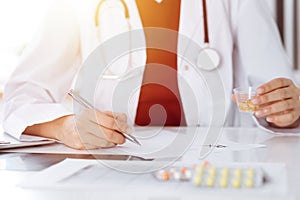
[{"x": 242, "y": 31}]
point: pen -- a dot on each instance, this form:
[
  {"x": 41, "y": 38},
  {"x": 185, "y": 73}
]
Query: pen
[{"x": 86, "y": 104}]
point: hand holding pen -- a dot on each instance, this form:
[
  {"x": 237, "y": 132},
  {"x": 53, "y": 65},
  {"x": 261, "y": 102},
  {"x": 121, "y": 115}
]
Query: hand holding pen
[{"x": 107, "y": 127}]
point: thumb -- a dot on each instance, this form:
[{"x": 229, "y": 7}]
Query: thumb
[{"x": 233, "y": 98}]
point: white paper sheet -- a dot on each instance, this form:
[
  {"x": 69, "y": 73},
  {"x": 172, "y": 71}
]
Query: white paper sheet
[{"x": 156, "y": 143}]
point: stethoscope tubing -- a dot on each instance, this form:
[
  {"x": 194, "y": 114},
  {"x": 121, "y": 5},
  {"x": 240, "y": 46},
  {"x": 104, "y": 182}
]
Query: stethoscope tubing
[{"x": 208, "y": 58}]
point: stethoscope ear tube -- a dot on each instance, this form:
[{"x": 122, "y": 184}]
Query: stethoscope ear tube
[{"x": 126, "y": 11}]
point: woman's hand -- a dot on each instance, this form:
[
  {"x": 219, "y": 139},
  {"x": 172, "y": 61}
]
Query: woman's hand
[
  {"x": 278, "y": 101},
  {"x": 89, "y": 130}
]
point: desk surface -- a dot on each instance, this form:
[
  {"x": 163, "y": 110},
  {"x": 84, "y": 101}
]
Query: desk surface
[{"x": 280, "y": 149}]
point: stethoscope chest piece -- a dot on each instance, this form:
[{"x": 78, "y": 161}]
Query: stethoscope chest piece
[{"x": 208, "y": 59}]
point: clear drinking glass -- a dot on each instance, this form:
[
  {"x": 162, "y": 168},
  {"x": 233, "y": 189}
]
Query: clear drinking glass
[{"x": 243, "y": 98}]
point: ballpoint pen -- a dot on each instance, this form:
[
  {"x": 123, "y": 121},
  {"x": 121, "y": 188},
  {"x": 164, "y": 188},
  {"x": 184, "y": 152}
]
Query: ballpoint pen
[{"x": 86, "y": 104}]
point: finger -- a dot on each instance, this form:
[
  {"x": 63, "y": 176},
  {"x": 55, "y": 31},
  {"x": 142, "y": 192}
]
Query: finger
[
  {"x": 284, "y": 119},
  {"x": 99, "y": 131},
  {"x": 91, "y": 140},
  {"x": 82, "y": 141},
  {"x": 117, "y": 116},
  {"x": 104, "y": 120},
  {"x": 276, "y": 95},
  {"x": 88, "y": 147},
  {"x": 233, "y": 98},
  {"x": 120, "y": 120},
  {"x": 108, "y": 121},
  {"x": 273, "y": 85},
  {"x": 277, "y": 107},
  {"x": 113, "y": 136},
  {"x": 91, "y": 147}
]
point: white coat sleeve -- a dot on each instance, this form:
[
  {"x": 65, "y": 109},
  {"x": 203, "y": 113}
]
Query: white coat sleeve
[
  {"x": 259, "y": 50},
  {"x": 39, "y": 84}
]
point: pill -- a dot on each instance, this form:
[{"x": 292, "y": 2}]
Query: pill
[
  {"x": 238, "y": 173},
  {"x": 165, "y": 176},
  {"x": 206, "y": 164},
  {"x": 183, "y": 169},
  {"x": 188, "y": 174},
  {"x": 249, "y": 183},
  {"x": 223, "y": 182},
  {"x": 177, "y": 175},
  {"x": 200, "y": 169},
  {"x": 236, "y": 183},
  {"x": 250, "y": 173},
  {"x": 212, "y": 171},
  {"x": 198, "y": 180},
  {"x": 210, "y": 182},
  {"x": 225, "y": 172},
  {"x": 172, "y": 170}
]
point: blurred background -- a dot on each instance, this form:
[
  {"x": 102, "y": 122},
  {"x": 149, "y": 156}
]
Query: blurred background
[{"x": 20, "y": 19}]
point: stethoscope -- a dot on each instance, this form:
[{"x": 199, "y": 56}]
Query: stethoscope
[{"x": 208, "y": 58}]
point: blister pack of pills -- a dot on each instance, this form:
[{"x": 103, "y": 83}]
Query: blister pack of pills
[{"x": 219, "y": 176}]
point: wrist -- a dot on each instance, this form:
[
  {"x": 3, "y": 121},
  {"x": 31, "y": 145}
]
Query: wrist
[{"x": 54, "y": 129}]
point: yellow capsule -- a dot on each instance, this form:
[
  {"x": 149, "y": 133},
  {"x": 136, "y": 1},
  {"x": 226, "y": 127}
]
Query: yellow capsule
[
  {"x": 238, "y": 173},
  {"x": 250, "y": 173},
  {"x": 249, "y": 183},
  {"x": 225, "y": 172},
  {"x": 200, "y": 169},
  {"x": 223, "y": 182},
  {"x": 210, "y": 182},
  {"x": 212, "y": 171},
  {"x": 198, "y": 180},
  {"x": 236, "y": 183}
]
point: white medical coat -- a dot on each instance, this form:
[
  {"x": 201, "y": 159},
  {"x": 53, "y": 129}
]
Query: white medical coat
[{"x": 243, "y": 32}]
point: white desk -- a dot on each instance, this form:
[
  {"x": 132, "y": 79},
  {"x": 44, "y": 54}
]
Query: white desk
[{"x": 15, "y": 167}]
